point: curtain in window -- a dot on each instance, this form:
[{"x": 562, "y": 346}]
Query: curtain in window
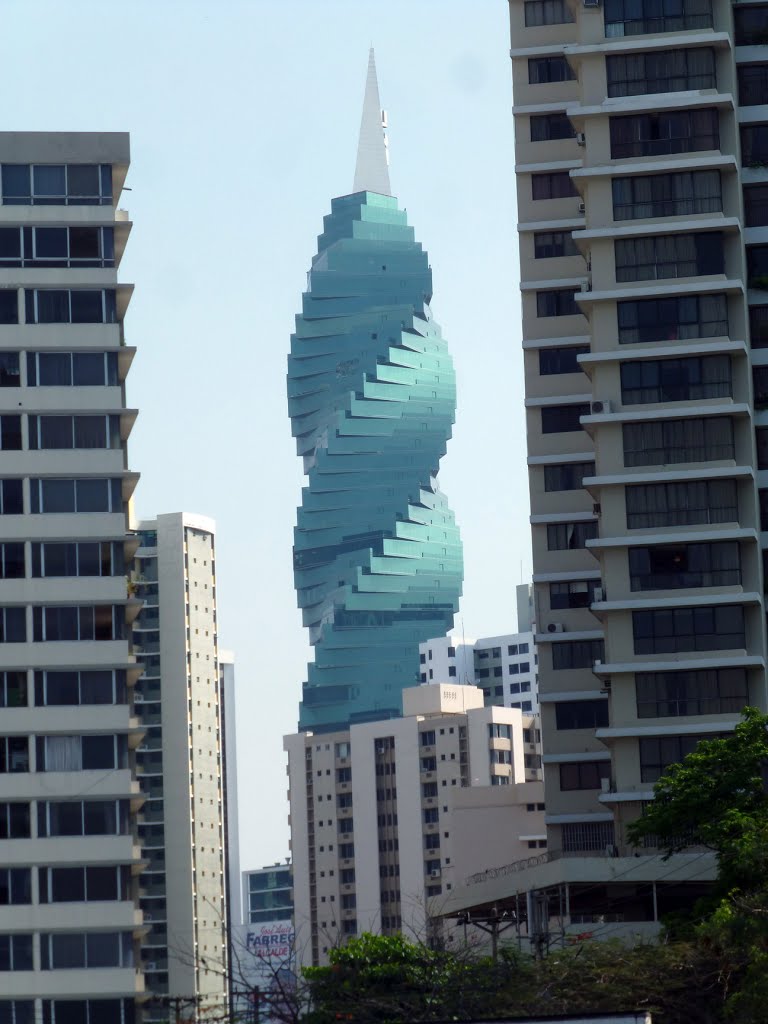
[
  {"x": 90, "y": 431},
  {"x": 63, "y": 754},
  {"x": 52, "y": 307}
]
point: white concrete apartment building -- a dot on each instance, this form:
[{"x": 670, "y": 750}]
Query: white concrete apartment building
[
  {"x": 373, "y": 842},
  {"x": 641, "y": 141},
  {"x": 69, "y": 918},
  {"x": 181, "y": 767},
  {"x": 504, "y": 667}
]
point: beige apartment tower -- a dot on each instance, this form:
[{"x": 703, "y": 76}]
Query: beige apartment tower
[
  {"x": 181, "y": 769},
  {"x": 69, "y": 860},
  {"x": 641, "y": 146},
  {"x": 388, "y": 817}
]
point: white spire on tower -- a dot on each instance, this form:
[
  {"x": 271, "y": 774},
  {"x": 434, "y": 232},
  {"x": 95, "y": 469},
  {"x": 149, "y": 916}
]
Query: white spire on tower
[{"x": 372, "y": 168}]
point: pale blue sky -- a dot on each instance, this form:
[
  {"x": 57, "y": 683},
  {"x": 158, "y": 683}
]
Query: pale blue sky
[{"x": 243, "y": 117}]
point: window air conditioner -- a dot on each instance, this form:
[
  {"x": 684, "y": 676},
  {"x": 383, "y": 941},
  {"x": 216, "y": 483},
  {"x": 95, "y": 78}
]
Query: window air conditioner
[
  {"x": 582, "y": 207},
  {"x": 591, "y": 3},
  {"x": 599, "y": 594},
  {"x": 555, "y": 627},
  {"x": 435, "y": 873},
  {"x": 599, "y": 407},
  {"x": 596, "y": 509},
  {"x": 581, "y": 138}
]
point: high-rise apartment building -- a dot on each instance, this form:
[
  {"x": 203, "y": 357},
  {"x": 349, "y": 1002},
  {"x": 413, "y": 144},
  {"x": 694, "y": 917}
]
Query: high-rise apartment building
[
  {"x": 69, "y": 919},
  {"x": 384, "y": 814},
  {"x": 641, "y": 153},
  {"x": 504, "y": 667},
  {"x": 181, "y": 767},
  {"x": 377, "y": 554}
]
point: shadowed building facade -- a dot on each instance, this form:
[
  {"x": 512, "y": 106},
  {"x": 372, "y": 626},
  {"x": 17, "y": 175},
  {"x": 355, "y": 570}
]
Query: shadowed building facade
[{"x": 377, "y": 555}]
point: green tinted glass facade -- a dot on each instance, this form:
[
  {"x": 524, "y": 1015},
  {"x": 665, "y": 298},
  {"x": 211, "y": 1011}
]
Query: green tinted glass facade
[{"x": 377, "y": 554}]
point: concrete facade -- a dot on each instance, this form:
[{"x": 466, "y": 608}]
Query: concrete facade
[
  {"x": 69, "y": 917},
  {"x": 641, "y": 145},
  {"x": 180, "y": 765},
  {"x": 373, "y": 838}
]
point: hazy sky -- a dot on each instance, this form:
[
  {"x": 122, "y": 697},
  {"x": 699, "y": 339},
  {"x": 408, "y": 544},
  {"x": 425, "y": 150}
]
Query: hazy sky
[{"x": 243, "y": 117}]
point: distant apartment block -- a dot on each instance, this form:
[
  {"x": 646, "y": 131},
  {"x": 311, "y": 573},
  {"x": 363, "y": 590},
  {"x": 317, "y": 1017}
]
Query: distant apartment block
[{"x": 181, "y": 765}]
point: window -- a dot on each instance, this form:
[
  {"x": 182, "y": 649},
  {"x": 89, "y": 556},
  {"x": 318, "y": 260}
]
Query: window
[
  {"x": 550, "y": 127},
  {"x": 760, "y": 386},
  {"x": 542, "y": 70},
  {"x": 94, "y": 686},
  {"x": 562, "y": 419},
  {"x": 512, "y": 649},
  {"x": 14, "y": 754},
  {"x": 451, "y": 652},
  {"x": 89, "y": 495},
  {"x": 72, "y": 369},
  {"x": 577, "y": 653},
  {"x": 573, "y": 594},
  {"x": 62, "y": 950},
  {"x": 675, "y": 566},
  {"x": 345, "y": 826},
  {"x": 750, "y": 25},
  {"x": 708, "y": 628},
  {"x": 581, "y": 714},
  {"x": 629, "y": 18},
  {"x": 9, "y": 306},
  {"x": 558, "y": 302},
  {"x": 496, "y": 730},
  {"x": 756, "y": 208},
  {"x": 667, "y": 132},
  {"x": 584, "y": 774},
  {"x": 80, "y": 246},
  {"x": 9, "y": 370},
  {"x": 707, "y": 691},
  {"x": 667, "y": 195},
  {"x": 13, "y": 625},
  {"x": 676, "y": 380},
  {"x": 11, "y": 497},
  {"x": 554, "y": 185},
  {"x": 14, "y": 824},
  {"x": 15, "y": 883},
  {"x": 347, "y": 876},
  {"x": 666, "y": 442},
  {"x": 661, "y": 256},
  {"x": 451, "y": 670},
  {"x": 523, "y": 648},
  {"x": 757, "y": 266},
  {"x": 570, "y": 536},
  {"x": 70, "y": 306},
  {"x": 73, "y": 559},
  {"x": 501, "y": 757},
  {"x": 753, "y": 84},
  {"x": 88, "y": 1011},
  {"x": 551, "y": 244},
  {"x": 567, "y": 476},
  {"x": 11, "y": 561},
  {"x": 344, "y": 774},
  {"x": 346, "y": 851},
  {"x": 428, "y": 764},
  {"x": 16, "y": 952},
  {"x": 674, "y": 319},
  {"x": 754, "y": 145},
  {"x": 10, "y": 433},
  {"x": 587, "y": 836},
  {"x": 561, "y": 360},
  {"x": 657, "y": 754},
  {"x": 81, "y": 753},
  {"x": 56, "y": 185},
  {"x": 547, "y": 12},
  {"x": 655, "y": 71},
  {"x": 13, "y": 689},
  {"x": 74, "y": 432},
  {"x": 82, "y": 818},
  {"x": 70, "y": 622},
  {"x": 427, "y": 738},
  {"x": 428, "y": 790},
  {"x": 681, "y": 504}
]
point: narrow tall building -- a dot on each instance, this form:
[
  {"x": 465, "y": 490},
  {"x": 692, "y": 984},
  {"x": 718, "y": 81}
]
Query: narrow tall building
[
  {"x": 181, "y": 768},
  {"x": 641, "y": 141},
  {"x": 377, "y": 554},
  {"x": 69, "y": 920}
]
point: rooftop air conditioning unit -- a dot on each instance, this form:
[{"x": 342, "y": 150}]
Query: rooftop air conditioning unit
[
  {"x": 582, "y": 207},
  {"x": 555, "y": 627},
  {"x": 599, "y": 594},
  {"x": 581, "y": 138},
  {"x": 599, "y": 407}
]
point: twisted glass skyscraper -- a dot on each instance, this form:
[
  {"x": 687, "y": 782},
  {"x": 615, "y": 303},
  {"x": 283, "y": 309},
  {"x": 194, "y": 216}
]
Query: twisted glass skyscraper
[{"x": 371, "y": 386}]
